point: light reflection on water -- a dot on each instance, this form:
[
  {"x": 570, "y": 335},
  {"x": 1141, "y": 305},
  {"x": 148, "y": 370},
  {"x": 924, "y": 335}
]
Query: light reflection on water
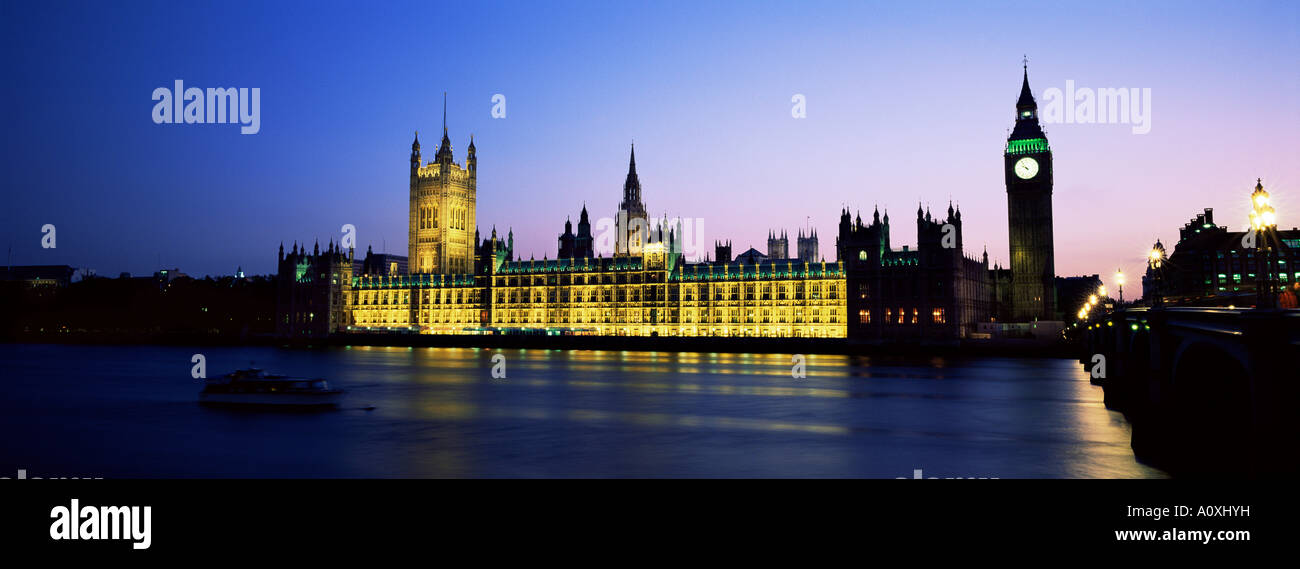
[{"x": 130, "y": 411}]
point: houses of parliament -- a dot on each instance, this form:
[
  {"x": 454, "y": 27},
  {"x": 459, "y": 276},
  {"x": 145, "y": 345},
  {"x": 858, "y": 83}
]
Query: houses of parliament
[{"x": 456, "y": 282}]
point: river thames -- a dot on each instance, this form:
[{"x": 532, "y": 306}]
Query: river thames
[{"x": 132, "y": 412}]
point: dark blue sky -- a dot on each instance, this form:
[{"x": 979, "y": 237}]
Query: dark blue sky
[{"x": 906, "y": 102}]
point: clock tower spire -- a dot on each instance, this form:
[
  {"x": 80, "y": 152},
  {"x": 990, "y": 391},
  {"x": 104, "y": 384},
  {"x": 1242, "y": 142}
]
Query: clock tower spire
[{"x": 1028, "y": 165}]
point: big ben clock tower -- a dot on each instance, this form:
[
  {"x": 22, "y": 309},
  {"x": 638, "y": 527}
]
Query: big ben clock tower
[{"x": 1028, "y": 165}]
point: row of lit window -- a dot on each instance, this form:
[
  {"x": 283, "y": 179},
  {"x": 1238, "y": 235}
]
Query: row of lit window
[{"x": 903, "y": 316}]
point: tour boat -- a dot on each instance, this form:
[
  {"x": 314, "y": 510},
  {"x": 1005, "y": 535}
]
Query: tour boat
[{"x": 254, "y": 386}]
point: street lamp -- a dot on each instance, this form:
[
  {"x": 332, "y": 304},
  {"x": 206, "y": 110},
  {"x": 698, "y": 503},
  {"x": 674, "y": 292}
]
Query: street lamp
[
  {"x": 1263, "y": 220},
  {"x": 1119, "y": 281},
  {"x": 1155, "y": 262}
]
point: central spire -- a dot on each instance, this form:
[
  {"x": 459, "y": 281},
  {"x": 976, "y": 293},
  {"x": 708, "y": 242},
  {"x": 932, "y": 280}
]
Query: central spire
[
  {"x": 1026, "y": 126},
  {"x": 632, "y": 186},
  {"x": 444, "y": 147},
  {"x": 1026, "y": 100}
]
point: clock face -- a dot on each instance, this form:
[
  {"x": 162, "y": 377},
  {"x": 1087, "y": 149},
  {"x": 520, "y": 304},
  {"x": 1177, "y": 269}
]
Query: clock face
[{"x": 1026, "y": 168}]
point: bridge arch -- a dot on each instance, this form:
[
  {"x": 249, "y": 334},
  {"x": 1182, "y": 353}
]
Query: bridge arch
[{"x": 1209, "y": 404}]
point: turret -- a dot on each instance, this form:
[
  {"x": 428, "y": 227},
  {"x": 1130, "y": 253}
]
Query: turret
[
  {"x": 471, "y": 162},
  {"x": 415, "y": 154}
]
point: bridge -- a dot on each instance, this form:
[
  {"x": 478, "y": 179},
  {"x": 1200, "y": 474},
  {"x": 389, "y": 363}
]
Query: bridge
[{"x": 1209, "y": 391}]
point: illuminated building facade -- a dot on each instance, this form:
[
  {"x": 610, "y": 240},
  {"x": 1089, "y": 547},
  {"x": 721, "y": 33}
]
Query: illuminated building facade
[
  {"x": 442, "y": 225},
  {"x": 655, "y": 294},
  {"x": 659, "y": 294},
  {"x": 455, "y": 284}
]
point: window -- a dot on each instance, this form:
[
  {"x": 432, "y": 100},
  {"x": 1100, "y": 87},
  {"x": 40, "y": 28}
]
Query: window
[
  {"x": 864, "y": 316},
  {"x": 938, "y": 316}
]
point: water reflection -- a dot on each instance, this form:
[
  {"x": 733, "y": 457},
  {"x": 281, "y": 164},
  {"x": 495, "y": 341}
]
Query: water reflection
[{"x": 439, "y": 412}]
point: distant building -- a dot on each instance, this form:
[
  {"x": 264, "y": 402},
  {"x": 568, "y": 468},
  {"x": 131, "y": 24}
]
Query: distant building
[
  {"x": 807, "y": 245},
  {"x": 40, "y": 275},
  {"x": 166, "y": 276},
  {"x": 580, "y": 246},
  {"x": 1072, "y": 293},
  {"x": 932, "y": 292},
  {"x": 1210, "y": 265},
  {"x": 722, "y": 251},
  {"x": 312, "y": 291},
  {"x": 778, "y": 245},
  {"x": 381, "y": 264},
  {"x": 752, "y": 256}
]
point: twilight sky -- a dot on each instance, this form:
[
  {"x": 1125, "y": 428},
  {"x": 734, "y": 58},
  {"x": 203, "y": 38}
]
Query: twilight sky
[{"x": 906, "y": 102}]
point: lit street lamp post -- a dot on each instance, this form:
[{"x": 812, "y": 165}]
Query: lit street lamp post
[
  {"x": 1119, "y": 281},
  {"x": 1263, "y": 220},
  {"x": 1156, "y": 260}
]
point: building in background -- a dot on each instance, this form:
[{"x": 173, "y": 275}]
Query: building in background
[
  {"x": 581, "y": 245},
  {"x": 454, "y": 283},
  {"x": 40, "y": 276},
  {"x": 807, "y": 244},
  {"x": 1213, "y": 266},
  {"x": 778, "y": 245},
  {"x": 722, "y": 251},
  {"x": 1072, "y": 293},
  {"x": 380, "y": 264},
  {"x": 312, "y": 291},
  {"x": 932, "y": 292}
]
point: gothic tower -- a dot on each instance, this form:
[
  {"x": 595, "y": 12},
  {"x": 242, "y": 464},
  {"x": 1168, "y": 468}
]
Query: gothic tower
[
  {"x": 566, "y": 242},
  {"x": 1028, "y": 165},
  {"x": 722, "y": 251},
  {"x": 584, "y": 244},
  {"x": 633, "y": 223},
  {"x": 442, "y": 216},
  {"x": 807, "y": 244},
  {"x": 778, "y": 245}
]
